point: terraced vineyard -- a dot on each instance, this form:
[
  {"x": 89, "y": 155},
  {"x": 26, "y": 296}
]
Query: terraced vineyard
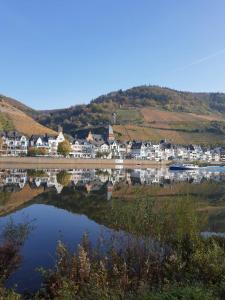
[
  {"x": 140, "y": 113},
  {"x": 134, "y": 132}
]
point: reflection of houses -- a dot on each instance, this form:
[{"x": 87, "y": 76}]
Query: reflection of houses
[
  {"x": 222, "y": 154},
  {"x": 16, "y": 177},
  {"x": 48, "y": 181},
  {"x": 82, "y": 176},
  {"x": 103, "y": 181}
]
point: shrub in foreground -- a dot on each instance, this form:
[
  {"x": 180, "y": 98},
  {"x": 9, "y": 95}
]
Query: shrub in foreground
[{"x": 132, "y": 268}]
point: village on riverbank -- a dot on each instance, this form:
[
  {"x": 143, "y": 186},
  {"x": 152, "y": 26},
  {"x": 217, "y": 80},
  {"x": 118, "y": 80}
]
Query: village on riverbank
[{"x": 103, "y": 146}]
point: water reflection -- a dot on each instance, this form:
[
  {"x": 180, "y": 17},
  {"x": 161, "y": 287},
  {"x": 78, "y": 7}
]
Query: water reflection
[
  {"x": 67, "y": 203},
  {"x": 13, "y": 180}
]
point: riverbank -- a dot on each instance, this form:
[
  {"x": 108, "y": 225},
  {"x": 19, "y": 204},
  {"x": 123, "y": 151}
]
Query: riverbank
[{"x": 66, "y": 163}]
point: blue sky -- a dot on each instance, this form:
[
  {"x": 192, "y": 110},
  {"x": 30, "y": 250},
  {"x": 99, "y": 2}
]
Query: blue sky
[{"x": 57, "y": 53}]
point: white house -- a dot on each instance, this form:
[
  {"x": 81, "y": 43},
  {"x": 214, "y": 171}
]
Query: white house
[
  {"x": 39, "y": 141},
  {"x": 114, "y": 148},
  {"x": 76, "y": 149},
  {"x": 103, "y": 148},
  {"x": 50, "y": 143},
  {"x": 53, "y": 142},
  {"x": 81, "y": 148},
  {"x": 13, "y": 144},
  {"x": 138, "y": 150}
]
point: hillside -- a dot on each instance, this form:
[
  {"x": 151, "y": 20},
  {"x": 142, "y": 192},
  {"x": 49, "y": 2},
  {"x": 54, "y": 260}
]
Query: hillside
[
  {"x": 166, "y": 99},
  {"x": 148, "y": 112},
  {"x": 14, "y": 116},
  {"x": 141, "y": 113}
]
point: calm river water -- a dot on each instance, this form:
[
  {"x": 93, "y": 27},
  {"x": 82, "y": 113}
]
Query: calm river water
[{"x": 65, "y": 204}]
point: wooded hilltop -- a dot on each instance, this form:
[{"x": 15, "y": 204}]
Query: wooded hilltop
[{"x": 143, "y": 113}]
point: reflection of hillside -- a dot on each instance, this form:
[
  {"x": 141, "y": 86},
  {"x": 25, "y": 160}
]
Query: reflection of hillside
[
  {"x": 122, "y": 211},
  {"x": 77, "y": 200},
  {"x": 126, "y": 215},
  {"x": 207, "y": 190},
  {"x": 11, "y": 200}
]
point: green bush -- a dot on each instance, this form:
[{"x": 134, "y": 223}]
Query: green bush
[{"x": 178, "y": 293}]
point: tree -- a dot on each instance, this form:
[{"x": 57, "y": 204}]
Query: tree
[
  {"x": 42, "y": 151},
  {"x": 64, "y": 148},
  {"x": 33, "y": 151}
]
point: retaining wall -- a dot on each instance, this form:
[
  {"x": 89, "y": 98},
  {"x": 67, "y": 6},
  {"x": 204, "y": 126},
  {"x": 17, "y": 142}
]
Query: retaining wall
[{"x": 70, "y": 162}]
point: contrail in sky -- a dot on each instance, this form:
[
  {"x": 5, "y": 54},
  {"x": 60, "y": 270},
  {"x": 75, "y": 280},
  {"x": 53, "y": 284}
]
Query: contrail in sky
[{"x": 201, "y": 60}]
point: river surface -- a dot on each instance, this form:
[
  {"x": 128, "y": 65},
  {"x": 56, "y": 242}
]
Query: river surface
[{"x": 65, "y": 204}]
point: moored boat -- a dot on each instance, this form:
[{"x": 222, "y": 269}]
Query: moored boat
[{"x": 183, "y": 167}]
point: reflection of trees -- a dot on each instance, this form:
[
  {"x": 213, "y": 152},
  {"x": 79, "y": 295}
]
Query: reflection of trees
[
  {"x": 36, "y": 173},
  {"x": 13, "y": 237},
  {"x": 144, "y": 215},
  {"x": 63, "y": 178}
]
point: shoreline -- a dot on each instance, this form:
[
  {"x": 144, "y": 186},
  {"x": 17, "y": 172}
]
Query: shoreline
[{"x": 68, "y": 163}]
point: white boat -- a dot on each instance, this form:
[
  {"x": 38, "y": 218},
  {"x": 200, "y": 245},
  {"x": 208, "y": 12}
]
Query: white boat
[{"x": 183, "y": 167}]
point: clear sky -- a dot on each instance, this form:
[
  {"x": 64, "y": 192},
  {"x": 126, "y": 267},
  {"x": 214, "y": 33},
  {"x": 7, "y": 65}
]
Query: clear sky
[{"x": 57, "y": 53}]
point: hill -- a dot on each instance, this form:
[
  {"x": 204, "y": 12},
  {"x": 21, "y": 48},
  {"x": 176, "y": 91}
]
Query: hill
[
  {"x": 148, "y": 112},
  {"x": 16, "y": 116},
  {"x": 141, "y": 113},
  {"x": 166, "y": 99}
]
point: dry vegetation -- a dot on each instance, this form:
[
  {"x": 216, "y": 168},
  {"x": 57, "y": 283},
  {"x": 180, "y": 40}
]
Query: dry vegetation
[
  {"x": 21, "y": 122},
  {"x": 134, "y": 132},
  {"x": 155, "y": 115},
  {"x": 178, "y": 127}
]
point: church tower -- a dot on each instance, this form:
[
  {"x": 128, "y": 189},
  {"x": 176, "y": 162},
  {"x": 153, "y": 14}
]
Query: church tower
[
  {"x": 89, "y": 137},
  {"x": 60, "y": 129},
  {"x": 111, "y": 136}
]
